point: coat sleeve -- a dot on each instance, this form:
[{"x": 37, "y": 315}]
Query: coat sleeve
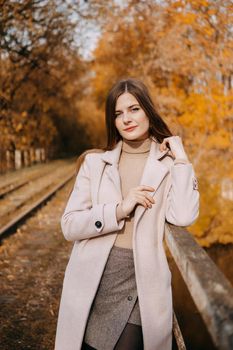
[
  {"x": 182, "y": 204},
  {"x": 81, "y": 219}
]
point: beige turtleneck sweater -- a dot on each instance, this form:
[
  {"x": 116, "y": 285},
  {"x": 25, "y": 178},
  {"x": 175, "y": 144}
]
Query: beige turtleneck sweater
[{"x": 131, "y": 164}]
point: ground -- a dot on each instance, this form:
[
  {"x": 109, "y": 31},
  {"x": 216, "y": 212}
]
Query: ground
[{"x": 32, "y": 267}]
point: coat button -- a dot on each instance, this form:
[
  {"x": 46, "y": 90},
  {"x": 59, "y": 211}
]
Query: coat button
[
  {"x": 98, "y": 224},
  {"x": 129, "y": 297},
  {"x": 195, "y": 183}
]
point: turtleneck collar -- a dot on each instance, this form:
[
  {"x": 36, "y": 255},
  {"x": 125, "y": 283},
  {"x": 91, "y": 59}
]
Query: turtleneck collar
[{"x": 134, "y": 146}]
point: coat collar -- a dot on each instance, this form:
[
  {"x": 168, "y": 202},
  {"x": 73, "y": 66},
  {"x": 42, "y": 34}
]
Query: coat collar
[
  {"x": 153, "y": 173},
  {"x": 113, "y": 156}
]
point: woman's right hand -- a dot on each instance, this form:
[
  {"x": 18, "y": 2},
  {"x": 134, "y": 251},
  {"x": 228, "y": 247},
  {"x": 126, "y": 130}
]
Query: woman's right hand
[{"x": 137, "y": 195}]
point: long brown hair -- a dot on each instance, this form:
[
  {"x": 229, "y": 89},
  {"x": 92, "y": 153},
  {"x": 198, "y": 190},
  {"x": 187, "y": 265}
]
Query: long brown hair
[{"x": 157, "y": 127}]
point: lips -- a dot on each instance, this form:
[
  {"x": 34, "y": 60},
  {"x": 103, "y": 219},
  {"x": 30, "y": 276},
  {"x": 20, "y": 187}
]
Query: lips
[{"x": 131, "y": 128}]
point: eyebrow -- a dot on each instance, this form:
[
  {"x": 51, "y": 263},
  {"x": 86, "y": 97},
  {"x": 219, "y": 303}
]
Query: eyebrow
[{"x": 136, "y": 104}]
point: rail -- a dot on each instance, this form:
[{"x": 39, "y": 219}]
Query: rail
[
  {"x": 210, "y": 290},
  {"x": 22, "y": 197}
]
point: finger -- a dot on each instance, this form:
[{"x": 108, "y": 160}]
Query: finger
[
  {"x": 144, "y": 201},
  {"x": 145, "y": 196},
  {"x": 145, "y": 188},
  {"x": 163, "y": 146},
  {"x": 167, "y": 144},
  {"x": 151, "y": 199}
]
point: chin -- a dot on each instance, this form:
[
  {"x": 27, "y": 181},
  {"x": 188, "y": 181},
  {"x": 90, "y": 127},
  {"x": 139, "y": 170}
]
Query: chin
[{"x": 135, "y": 137}]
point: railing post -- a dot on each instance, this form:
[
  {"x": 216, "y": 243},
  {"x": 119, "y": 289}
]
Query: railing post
[
  {"x": 37, "y": 155},
  {"x": 32, "y": 155},
  {"x": 43, "y": 155},
  {"x": 2, "y": 161},
  {"x": 9, "y": 160},
  {"x": 26, "y": 158},
  {"x": 18, "y": 159}
]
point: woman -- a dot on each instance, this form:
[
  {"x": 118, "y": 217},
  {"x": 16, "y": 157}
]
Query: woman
[{"x": 117, "y": 286}]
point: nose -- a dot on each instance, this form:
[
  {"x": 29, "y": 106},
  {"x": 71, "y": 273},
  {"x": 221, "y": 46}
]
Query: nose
[{"x": 125, "y": 117}]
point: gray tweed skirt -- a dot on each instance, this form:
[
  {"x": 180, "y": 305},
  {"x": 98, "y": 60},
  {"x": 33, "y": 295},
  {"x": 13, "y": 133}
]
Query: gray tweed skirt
[{"x": 115, "y": 302}]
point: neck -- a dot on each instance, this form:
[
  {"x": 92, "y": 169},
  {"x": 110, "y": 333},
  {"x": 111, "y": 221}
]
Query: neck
[{"x": 136, "y": 146}]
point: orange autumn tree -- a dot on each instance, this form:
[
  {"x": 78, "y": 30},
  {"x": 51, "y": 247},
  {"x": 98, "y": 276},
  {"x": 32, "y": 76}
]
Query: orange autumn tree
[
  {"x": 182, "y": 50},
  {"x": 40, "y": 77}
]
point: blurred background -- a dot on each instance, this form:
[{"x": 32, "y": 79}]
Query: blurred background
[{"x": 58, "y": 60}]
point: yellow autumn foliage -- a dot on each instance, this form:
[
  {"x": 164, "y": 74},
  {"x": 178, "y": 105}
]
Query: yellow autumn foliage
[
  {"x": 188, "y": 76},
  {"x": 183, "y": 52}
]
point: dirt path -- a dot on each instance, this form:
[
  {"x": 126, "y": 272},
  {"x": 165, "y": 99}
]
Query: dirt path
[{"x": 32, "y": 264}]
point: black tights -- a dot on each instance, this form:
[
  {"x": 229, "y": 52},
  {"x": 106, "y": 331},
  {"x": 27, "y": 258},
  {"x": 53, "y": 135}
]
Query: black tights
[{"x": 131, "y": 339}]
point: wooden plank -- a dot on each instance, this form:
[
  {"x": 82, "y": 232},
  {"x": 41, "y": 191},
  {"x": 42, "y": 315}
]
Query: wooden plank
[
  {"x": 177, "y": 333},
  {"x": 209, "y": 288}
]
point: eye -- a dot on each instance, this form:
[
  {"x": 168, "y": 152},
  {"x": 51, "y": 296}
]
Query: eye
[{"x": 135, "y": 109}]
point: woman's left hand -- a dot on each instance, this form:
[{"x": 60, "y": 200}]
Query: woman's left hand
[{"x": 176, "y": 149}]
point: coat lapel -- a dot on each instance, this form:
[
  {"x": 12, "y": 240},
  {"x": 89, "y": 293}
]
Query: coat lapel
[
  {"x": 112, "y": 158},
  {"x": 153, "y": 173}
]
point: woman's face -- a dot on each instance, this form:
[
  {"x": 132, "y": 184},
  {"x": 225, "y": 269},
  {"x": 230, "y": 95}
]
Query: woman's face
[{"x": 129, "y": 114}]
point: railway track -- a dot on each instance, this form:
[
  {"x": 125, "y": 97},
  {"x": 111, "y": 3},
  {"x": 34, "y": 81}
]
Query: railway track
[
  {"x": 14, "y": 180},
  {"x": 32, "y": 265},
  {"x": 21, "y": 197}
]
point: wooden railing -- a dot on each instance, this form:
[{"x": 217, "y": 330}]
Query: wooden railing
[
  {"x": 17, "y": 159},
  {"x": 210, "y": 290}
]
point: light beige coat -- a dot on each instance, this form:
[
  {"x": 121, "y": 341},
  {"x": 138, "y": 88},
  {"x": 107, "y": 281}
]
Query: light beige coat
[{"x": 96, "y": 193}]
